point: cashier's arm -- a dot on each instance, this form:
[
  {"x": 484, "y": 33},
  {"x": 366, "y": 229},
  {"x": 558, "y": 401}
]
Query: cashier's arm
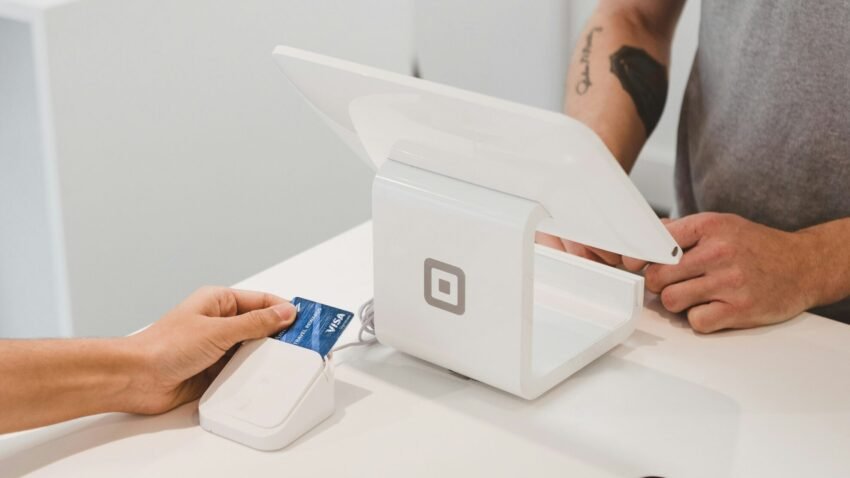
[
  {"x": 734, "y": 273},
  {"x": 617, "y": 83},
  {"x": 168, "y": 364}
]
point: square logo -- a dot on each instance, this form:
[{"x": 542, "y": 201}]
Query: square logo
[{"x": 445, "y": 286}]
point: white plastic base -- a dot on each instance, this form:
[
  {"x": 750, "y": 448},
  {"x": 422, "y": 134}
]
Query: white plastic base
[
  {"x": 459, "y": 282},
  {"x": 463, "y": 182},
  {"x": 269, "y": 394}
]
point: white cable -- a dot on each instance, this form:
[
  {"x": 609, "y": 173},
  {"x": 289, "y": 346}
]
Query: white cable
[{"x": 366, "y": 312}]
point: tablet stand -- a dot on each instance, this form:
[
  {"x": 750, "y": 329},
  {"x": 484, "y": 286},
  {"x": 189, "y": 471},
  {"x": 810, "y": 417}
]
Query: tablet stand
[{"x": 459, "y": 282}]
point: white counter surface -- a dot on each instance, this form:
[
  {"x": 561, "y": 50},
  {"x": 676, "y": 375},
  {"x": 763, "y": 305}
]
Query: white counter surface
[{"x": 771, "y": 402}]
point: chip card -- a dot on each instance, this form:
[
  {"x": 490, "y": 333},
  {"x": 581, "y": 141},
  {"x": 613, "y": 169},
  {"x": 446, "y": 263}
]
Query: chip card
[{"x": 317, "y": 326}]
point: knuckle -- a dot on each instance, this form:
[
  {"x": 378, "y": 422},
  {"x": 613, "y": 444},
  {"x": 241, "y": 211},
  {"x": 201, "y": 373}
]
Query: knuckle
[
  {"x": 257, "y": 317},
  {"x": 670, "y": 300},
  {"x": 652, "y": 285},
  {"x": 214, "y": 292},
  {"x": 709, "y": 220},
  {"x": 725, "y": 250},
  {"x": 227, "y": 302},
  {"x": 701, "y": 323},
  {"x": 736, "y": 278},
  {"x": 729, "y": 218},
  {"x": 652, "y": 279},
  {"x": 714, "y": 221},
  {"x": 633, "y": 265},
  {"x": 614, "y": 260},
  {"x": 261, "y": 317},
  {"x": 745, "y": 303},
  {"x": 221, "y": 296},
  {"x": 721, "y": 251}
]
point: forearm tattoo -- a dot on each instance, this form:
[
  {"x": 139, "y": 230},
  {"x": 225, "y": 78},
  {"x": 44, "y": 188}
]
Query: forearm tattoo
[
  {"x": 645, "y": 80},
  {"x": 584, "y": 81}
]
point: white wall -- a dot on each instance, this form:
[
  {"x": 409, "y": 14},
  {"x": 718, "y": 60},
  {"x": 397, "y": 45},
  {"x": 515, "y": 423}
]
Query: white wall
[
  {"x": 513, "y": 49},
  {"x": 183, "y": 155},
  {"x": 30, "y": 295},
  {"x": 520, "y": 50}
]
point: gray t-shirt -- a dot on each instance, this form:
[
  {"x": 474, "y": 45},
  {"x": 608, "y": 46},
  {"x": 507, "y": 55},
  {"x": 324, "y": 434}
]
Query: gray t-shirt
[{"x": 765, "y": 124}]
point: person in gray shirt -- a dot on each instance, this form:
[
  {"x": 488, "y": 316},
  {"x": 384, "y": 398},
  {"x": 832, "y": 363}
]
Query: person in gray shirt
[{"x": 763, "y": 156}]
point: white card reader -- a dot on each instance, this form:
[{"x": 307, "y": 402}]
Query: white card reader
[{"x": 269, "y": 394}]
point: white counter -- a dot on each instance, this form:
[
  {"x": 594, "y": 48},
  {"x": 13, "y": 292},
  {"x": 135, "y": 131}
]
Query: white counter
[{"x": 772, "y": 402}]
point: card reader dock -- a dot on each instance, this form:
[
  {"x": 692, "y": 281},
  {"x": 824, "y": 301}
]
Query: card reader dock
[
  {"x": 269, "y": 394},
  {"x": 463, "y": 182}
]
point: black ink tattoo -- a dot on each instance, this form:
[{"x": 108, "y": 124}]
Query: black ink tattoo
[
  {"x": 645, "y": 80},
  {"x": 584, "y": 83}
]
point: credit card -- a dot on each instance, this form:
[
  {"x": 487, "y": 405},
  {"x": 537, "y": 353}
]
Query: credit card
[{"x": 317, "y": 326}]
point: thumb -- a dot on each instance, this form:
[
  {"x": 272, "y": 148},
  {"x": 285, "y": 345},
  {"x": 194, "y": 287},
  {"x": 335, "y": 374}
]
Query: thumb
[{"x": 258, "y": 323}]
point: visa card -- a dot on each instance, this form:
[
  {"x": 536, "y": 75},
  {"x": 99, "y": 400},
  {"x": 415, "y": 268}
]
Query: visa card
[{"x": 316, "y": 326}]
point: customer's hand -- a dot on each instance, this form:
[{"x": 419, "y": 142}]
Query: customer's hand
[
  {"x": 181, "y": 354},
  {"x": 734, "y": 273}
]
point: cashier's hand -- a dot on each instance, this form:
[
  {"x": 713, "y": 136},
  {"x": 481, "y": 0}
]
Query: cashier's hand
[
  {"x": 734, "y": 273},
  {"x": 587, "y": 252},
  {"x": 184, "y": 351}
]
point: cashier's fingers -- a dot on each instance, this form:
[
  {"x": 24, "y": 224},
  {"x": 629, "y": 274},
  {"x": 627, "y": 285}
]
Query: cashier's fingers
[
  {"x": 696, "y": 263},
  {"x": 683, "y": 295},
  {"x": 711, "y": 317},
  {"x": 633, "y": 265},
  {"x": 610, "y": 258},
  {"x": 548, "y": 240},
  {"x": 256, "y": 324},
  {"x": 587, "y": 252},
  {"x": 636, "y": 265},
  {"x": 597, "y": 255}
]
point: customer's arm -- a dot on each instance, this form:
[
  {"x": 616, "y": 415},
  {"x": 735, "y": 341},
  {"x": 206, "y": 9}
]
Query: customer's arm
[
  {"x": 617, "y": 82},
  {"x": 168, "y": 364}
]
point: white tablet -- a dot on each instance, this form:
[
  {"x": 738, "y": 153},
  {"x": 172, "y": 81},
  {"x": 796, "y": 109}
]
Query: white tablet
[{"x": 517, "y": 149}]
